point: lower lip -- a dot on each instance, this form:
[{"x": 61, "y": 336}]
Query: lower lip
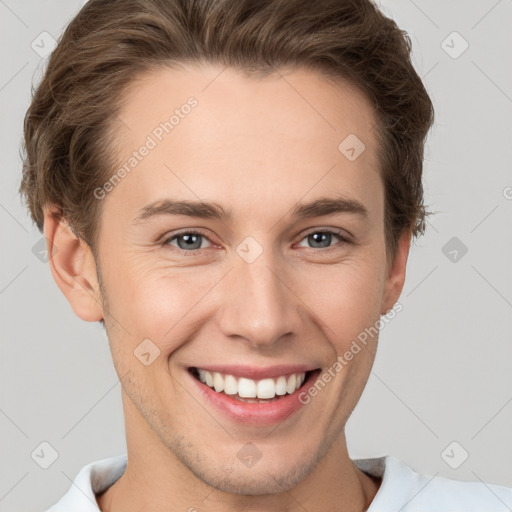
[{"x": 256, "y": 413}]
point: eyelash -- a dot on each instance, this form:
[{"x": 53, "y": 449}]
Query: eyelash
[{"x": 338, "y": 234}]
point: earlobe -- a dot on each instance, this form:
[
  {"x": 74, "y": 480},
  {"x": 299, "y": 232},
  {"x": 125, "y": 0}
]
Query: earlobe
[
  {"x": 396, "y": 273},
  {"x": 73, "y": 267}
]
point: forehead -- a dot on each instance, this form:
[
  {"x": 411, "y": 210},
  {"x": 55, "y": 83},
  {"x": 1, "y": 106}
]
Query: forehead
[
  {"x": 227, "y": 98},
  {"x": 286, "y": 131}
]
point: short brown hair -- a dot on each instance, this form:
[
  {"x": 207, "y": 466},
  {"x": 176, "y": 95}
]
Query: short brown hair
[{"x": 68, "y": 146}]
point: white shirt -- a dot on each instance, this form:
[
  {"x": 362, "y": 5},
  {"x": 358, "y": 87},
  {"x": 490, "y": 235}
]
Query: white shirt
[{"x": 401, "y": 490}]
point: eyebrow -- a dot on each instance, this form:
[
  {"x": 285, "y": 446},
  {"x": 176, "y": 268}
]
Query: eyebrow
[{"x": 210, "y": 210}]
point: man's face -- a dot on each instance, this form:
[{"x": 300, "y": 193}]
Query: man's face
[{"x": 258, "y": 289}]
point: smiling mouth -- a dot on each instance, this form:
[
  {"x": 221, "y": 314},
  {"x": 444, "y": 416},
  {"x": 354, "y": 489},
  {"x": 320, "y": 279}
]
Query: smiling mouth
[{"x": 250, "y": 390}]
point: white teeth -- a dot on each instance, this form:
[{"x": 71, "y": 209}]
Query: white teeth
[
  {"x": 230, "y": 385},
  {"x": 291, "y": 385},
  {"x": 266, "y": 388},
  {"x": 281, "y": 386},
  {"x": 249, "y": 388},
  {"x": 246, "y": 388},
  {"x": 218, "y": 382}
]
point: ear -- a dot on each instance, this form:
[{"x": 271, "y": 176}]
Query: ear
[
  {"x": 395, "y": 277},
  {"x": 73, "y": 267}
]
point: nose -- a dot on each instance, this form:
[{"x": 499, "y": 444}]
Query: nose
[{"x": 258, "y": 304}]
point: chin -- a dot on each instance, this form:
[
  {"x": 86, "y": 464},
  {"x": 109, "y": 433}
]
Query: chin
[
  {"x": 256, "y": 481},
  {"x": 273, "y": 471}
]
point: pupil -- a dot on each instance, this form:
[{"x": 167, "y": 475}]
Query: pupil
[
  {"x": 189, "y": 241},
  {"x": 326, "y": 238}
]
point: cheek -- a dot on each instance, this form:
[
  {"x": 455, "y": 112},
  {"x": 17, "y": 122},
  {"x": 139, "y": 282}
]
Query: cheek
[
  {"x": 346, "y": 298},
  {"x": 150, "y": 307},
  {"x": 156, "y": 301}
]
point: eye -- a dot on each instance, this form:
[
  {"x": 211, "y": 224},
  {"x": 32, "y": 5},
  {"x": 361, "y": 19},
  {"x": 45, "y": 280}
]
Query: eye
[
  {"x": 190, "y": 241},
  {"x": 323, "y": 239},
  {"x": 187, "y": 241}
]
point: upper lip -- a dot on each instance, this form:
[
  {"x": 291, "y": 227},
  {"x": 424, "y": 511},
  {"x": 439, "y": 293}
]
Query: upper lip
[{"x": 257, "y": 372}]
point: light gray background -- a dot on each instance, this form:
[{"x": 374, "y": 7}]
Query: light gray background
[{"x": 442, "y": 372}]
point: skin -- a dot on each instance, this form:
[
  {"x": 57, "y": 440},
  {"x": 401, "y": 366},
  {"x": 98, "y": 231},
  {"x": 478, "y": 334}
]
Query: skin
[{"x": 257, "y": 147}]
